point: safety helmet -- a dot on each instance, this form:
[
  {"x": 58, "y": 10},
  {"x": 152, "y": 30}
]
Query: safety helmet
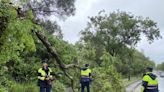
[
  {"x": 86, "y": 65},
  {"x": 150, "y": 68}
]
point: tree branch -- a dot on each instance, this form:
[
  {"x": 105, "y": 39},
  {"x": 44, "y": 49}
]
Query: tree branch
[
  {"x": 48, "y": 46},
  {"x": 62, "y": 66}
]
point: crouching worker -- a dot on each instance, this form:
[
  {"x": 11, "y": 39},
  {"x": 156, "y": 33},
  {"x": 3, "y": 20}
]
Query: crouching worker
[
  {"x": 85, "y": 78},
  {"x": 44, "y": 78}
]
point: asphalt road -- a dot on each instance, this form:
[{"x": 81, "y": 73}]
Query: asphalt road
[
  {"x": 161, "y": 85},
  {"x": 131, "y": 87}
]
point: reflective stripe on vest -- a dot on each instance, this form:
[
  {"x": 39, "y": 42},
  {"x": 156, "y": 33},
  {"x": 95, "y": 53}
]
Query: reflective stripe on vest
[{"x": 152, "y": 87}]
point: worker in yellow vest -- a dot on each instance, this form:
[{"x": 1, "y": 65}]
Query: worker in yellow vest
[
  {"x": 85, "y": 78},
  {"x": 149, "y": 81},
  {"x": 44, "y": 78}
]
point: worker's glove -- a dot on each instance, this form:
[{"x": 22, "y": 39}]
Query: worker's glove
[{"x": 47, "y": 78}]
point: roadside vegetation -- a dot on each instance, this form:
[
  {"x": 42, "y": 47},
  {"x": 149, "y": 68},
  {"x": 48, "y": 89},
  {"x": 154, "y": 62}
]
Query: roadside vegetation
[
  {"x": 160, "y": 66},
  {"x": 107, "y": 43}
]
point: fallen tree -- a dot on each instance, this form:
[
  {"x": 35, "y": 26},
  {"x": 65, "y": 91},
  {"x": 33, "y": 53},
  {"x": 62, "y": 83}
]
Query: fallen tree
[{"x": 61, "y": 64}]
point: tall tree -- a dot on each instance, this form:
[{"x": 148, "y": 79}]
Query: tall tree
[
  {"x": 118, "y": 33},
  {"x": 60, "y": 8},
  {"x": 119, "y": 28}
]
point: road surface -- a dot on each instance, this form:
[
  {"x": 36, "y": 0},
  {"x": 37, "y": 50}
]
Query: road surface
[
  {"x": 161, "y": 85},
  {"x": 132, "y": 87}
]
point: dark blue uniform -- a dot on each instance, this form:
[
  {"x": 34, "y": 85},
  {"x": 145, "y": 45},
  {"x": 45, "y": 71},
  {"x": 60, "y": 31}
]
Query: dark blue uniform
[
  {"x": 42, "y": 75},
  {"x": 85, "y": 79}
]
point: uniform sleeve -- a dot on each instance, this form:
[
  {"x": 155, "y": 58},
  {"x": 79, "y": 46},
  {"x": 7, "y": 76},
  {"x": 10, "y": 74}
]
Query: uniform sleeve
[
  {"x": 144, "y": 83},
  {"x": 157, "y": 83},
  {"x": 40, "y": 76},
  {"x": 90, "y": 73},
  {"x": 50, "y": 72}
]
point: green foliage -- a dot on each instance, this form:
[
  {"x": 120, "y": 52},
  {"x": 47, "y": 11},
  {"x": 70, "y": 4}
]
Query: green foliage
[
  {"x": 30, "y": 14},
  {"x": 52, "y": 28},
  {"x": 160, "y": 66},
  {"x": 21, "y": 52},
  {"x": 140, "y": 61},
  {"x": 118, "y": 29},
  {"x": 58, "y": 87},
  {"x": 106, "y": 79},
  {"x": 60, "y": 8},
  {"x": 114, "y": 36},
  {"x": 2, "y": 89},
  {"x": 22, "y": 71},
  {"x": 106, "y": 48},
  {"x": 15, "y": 37},
  {"x": 28, "y": 87},
  {"x": 31, "y": 87},
  {"x": 107, "y": 59}
]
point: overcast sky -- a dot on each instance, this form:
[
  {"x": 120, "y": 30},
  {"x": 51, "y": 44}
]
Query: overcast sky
[{"x": 146, "y": 8}]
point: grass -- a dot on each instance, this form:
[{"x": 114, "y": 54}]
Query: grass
[
  {"x": 29, "y": 87},
  {"x": 32, "y": 87},
  {"x": 58, "y": 87}
]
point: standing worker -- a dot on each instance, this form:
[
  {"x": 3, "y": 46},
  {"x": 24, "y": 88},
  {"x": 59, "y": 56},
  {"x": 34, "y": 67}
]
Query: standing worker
[
  {"x": 44, "y": 78},
  {"x": 85, "y": 78},
  {"x": 149, "y": 81}
]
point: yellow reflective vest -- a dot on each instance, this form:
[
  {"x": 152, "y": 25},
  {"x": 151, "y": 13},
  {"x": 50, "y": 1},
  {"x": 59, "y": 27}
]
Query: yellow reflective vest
[
  {"x": 42, "y": 74},
  {"x": 149, "y": 82},
  {"x": 85, "y": 72}
]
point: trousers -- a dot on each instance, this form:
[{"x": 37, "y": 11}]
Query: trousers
[
  {"x": 83, "y": 85},
  {"x": 44, "y": 87}
]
